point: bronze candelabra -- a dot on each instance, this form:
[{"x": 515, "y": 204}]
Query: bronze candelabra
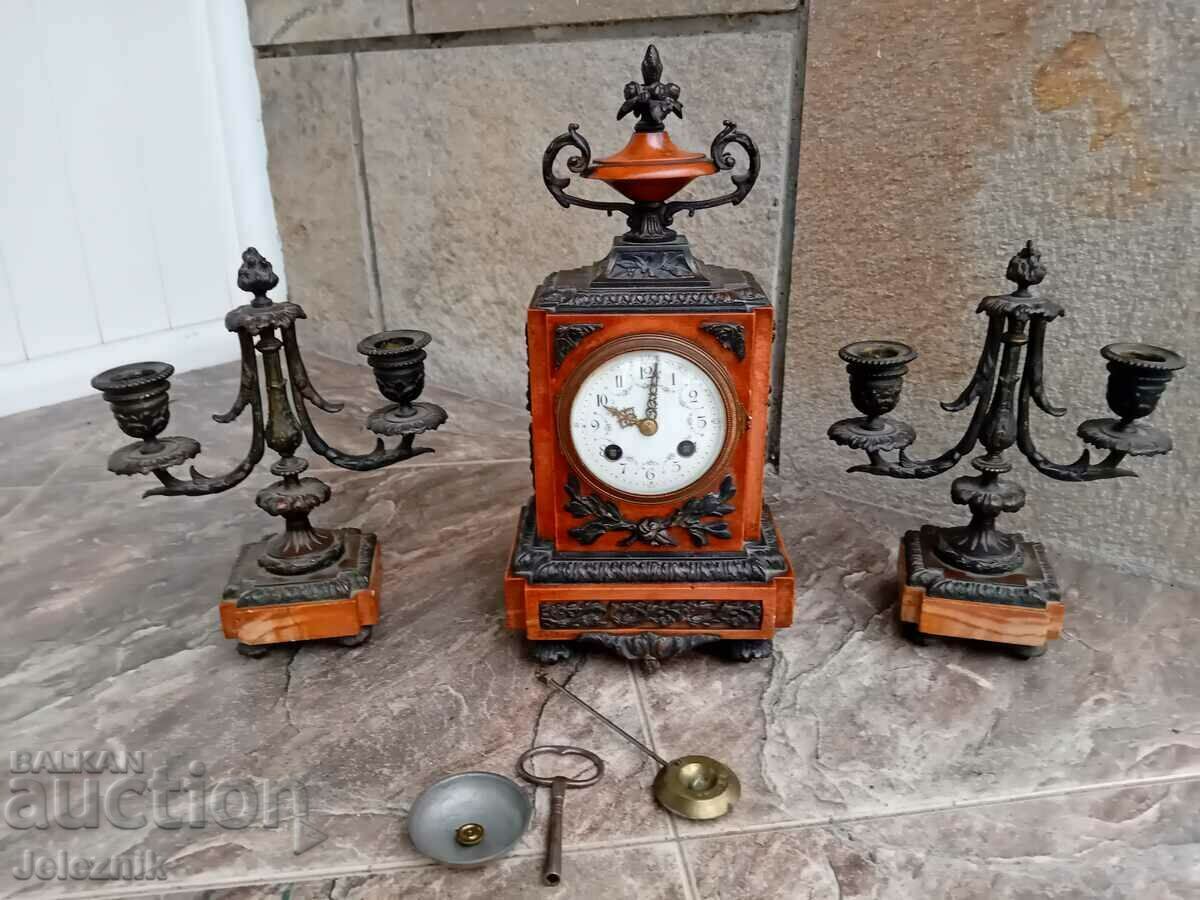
[
  {"x": 975, "y": 580},
  {"x": 306, "y": 582}
]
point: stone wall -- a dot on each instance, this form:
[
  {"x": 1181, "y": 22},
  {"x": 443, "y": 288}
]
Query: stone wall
[
  {"x": 407, "y": 167},
  {"x": 405, "y": 147}
]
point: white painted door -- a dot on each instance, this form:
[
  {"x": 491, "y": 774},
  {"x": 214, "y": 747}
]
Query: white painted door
[{"x": 134, "y": 172}]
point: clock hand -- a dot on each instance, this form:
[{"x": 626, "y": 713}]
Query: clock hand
[
  {"x": 625, "y": 417},
  {"x": 649, "y": 423}
]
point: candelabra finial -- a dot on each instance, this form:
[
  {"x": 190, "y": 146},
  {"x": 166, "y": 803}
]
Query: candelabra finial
[
  {"x": 1025, "y": 269},
  {"x": 256, "y": 276},
  {"x": 653, "y": 100}
]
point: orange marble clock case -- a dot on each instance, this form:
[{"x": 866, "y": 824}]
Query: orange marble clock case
[{"x": 735, "y": 331}]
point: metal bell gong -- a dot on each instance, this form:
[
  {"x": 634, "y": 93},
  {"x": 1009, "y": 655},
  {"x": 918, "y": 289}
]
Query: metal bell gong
[{"x": 469, "y": 818}]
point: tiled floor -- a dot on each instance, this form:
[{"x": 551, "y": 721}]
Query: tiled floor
[{"x": 871, "y": 768}]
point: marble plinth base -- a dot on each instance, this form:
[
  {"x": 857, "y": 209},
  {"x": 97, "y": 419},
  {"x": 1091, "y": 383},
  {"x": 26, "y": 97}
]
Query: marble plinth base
[
  {"x": 340, "y": 601},
  {"x": 1023, "y": 608}
]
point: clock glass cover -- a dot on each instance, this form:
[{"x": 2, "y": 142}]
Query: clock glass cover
[{"x": 650, "y": 420}]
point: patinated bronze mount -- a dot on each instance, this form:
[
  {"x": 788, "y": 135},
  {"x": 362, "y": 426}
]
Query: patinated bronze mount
[
  {"x": 303, "y": 564},
  {"x": 650, "y": 169},
  {"x": 977, "y": 562}
]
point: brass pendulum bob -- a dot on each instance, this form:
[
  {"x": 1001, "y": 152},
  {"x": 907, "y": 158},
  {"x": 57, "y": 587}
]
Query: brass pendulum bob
[{"x": 695, "y": 787}]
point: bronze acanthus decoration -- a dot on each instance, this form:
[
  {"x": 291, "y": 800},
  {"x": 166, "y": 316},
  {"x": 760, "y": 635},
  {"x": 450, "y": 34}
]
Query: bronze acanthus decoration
[
  {"x": 606, "y": 516},
  {"x": 729, "y": 614},
  {"x": 729, "y": 335},
  {"x": 568, "y": 337}
]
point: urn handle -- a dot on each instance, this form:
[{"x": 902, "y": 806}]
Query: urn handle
[
  {"x": 578, "y": 165},
  {"x": 725, "y": 162}
]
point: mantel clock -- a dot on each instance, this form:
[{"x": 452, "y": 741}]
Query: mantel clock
[{"x": 649, "y": 378}]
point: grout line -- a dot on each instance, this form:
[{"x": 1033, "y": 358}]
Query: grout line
[
  {"x": 787, "y": 236},
  {"x": 648, "y": 727},
  {"x": 670, "y": 26},
  {"x": 38, "y": 490},
  {"x": 363, "y": 188},
  {"x": 948, "y": 806},
  {"x": 690, "y": 889},
  {"x": 641, "y": 705},
  {"x": 10, "y": 295}
]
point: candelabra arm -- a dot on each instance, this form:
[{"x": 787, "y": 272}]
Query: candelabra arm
[
  {"x": 379, "y": 457},
  {"x": 299, "y": 375},
  {"x": 1033, "y": 369},
  {"x": 301, "y": 389},
  {"x": 1033, "y": 386},
  {"x": 978, "y": 391},
  {"x": 247, "y": 384},
  {"x": 577, "y": 164},
  {"x": 983, "y": 380},
  {"x": 199, "y": 485}
]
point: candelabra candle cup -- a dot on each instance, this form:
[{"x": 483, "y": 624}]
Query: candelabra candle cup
[
  {"x": 1137, "y": 376},
  {"x": 138, "y": 394},
  {"x": 398, "y": 359},
  {"x": 877, "y": 370}
]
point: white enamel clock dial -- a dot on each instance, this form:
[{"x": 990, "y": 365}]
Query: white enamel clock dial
[{"x": 648, "y": 422}]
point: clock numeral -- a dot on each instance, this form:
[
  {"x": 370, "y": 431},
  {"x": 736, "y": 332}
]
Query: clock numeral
[
  {"x": 672, "y": 379},
  {"x": 701, "y": 422},
  {"x": 649, "y": 475},
  {"x": 619, "y": 381},
  {"x": 693, "y": 394},
  {"x": 595, "y": 424},
  {"x": 602, "y": 400}
]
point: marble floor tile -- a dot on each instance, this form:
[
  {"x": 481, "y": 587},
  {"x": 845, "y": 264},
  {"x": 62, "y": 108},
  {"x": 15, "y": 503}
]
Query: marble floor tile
[
  {"x": 112, "y": 641},
  {"x": 1140, "y": 842},
  {"x": 847, "y": 718},
  {"x": 36, "y": 443}
]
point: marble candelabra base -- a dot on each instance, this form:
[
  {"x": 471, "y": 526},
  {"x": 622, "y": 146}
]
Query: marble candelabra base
[
  {"x": 338, "y": 602},
  {"x": 1022, "y": 608}
]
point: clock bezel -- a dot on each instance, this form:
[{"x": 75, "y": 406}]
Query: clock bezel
[{"x": 735, "y": 414}]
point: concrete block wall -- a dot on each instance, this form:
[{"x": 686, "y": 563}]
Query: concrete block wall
[
  {"x": 407, "y": 167},
  {"x": 405, "y": 145}
]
